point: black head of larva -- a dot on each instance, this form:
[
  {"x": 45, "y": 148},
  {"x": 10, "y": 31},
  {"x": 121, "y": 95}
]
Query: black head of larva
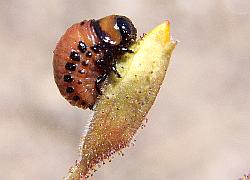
[
  {"x": 115, "y": 30},
  {"x": 127, "y": 30}
]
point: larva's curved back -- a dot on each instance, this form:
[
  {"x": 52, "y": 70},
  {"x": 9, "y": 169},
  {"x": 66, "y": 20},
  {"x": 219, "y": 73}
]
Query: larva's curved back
[
  {"x": 75, "y": 71},
  {"x": 86, "y": 54}
]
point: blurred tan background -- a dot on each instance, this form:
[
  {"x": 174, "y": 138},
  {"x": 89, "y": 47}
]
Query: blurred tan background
[{"x": 199, "y": 126}]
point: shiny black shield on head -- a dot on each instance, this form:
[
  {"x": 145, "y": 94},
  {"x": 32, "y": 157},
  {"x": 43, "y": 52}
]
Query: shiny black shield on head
[{"x": 127, "y": 30}]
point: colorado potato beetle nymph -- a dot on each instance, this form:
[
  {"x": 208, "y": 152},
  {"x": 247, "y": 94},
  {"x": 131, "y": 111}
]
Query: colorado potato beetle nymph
[{"x": 86, "y": 54}]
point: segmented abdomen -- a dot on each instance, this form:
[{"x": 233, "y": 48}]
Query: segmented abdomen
[{"x": 75, "y": 70}]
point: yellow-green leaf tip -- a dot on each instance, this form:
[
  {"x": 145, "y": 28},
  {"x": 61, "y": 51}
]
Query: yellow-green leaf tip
[{"x": 122, "y": 108}]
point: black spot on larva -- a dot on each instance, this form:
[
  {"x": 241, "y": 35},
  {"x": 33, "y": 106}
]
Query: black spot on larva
[
  {"x": 82, "y": 46},
  {"x": 85, "y": 62},
  {"x": 76, "y": 98},
  {"x": 69, "y": 89},
  {"x": 89, "y": 54},
  {"x": 70, "y": 66},
  {"x": 68, "y": 78},
  {"x": 75, "y": 56}
]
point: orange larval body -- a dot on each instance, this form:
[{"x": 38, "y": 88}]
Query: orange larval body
[
  {"x": 82, "y": 70},
  {"x": 86, "y": 54}
]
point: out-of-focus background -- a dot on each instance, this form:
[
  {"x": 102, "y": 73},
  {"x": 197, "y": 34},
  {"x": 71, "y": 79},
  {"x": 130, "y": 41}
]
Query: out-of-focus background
[{"x": 199, "y": 126}]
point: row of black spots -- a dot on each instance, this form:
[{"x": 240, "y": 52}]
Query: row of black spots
[
  {"x": 70, "y": 90},
  {"x": 75, "y": 56},
  {"x": 72, "y": 67},
  {"x": 82, "y": 47},
  {"x": 68, "y": 79}
]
